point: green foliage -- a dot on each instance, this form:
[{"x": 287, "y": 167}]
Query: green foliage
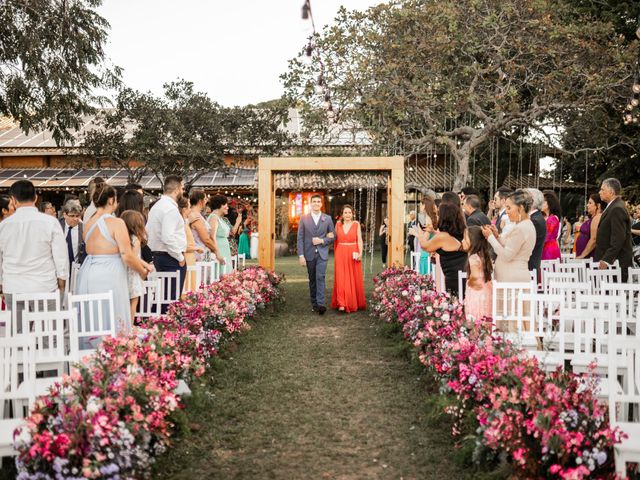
[
  {"x": 183, "y": 132},
  {"x": 51, "y": 60},
  {"x": 458, "y": 73}
]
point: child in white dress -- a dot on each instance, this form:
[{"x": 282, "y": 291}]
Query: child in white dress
[{"x": 136, "y": 226}]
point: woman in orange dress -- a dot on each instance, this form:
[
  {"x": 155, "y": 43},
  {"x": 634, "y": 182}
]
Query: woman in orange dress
[{"x": 348, "y": 282}]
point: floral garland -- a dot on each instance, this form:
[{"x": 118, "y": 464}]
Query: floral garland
[
  {"x": 548, "y": 425},
  {"x": 112, "y": 416}
]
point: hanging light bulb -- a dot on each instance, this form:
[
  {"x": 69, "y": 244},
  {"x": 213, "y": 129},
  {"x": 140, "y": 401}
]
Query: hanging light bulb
[
  {"x": 638, "y": 32},
  {"x": 305, "y": 10},
  {"x": 635, "y": 102},
  {"x": 636, "y": 88}
]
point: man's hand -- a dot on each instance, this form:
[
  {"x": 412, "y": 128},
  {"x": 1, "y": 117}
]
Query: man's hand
[
  {"x": 330, "y": 235},
  {"x": 61, "y": 284},
  {"x": 602, "y": 265},
  {"x": 182, "y": 263},
  {"x": 303, "y": 262},
  {"x": 317, "y": 241}
]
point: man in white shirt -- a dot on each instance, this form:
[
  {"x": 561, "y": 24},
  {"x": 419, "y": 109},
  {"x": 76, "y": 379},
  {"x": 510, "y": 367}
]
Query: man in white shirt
[
  {"x": 166, "y": 234},
  {"x": 33, "y": 252}
]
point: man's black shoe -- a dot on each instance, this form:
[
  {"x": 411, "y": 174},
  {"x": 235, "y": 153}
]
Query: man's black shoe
[
  {"x": 314, "y": 308},
  {"x": 322, "y": 309}
]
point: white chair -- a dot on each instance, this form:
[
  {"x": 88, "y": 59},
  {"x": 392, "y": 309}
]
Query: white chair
[
  {"x": 56, "y": 340},
  {"x": 624, "y": 355},
  {"x": 5, "y": 323},
  {"x": 149, "y": 305},
  {"x": 577, "y": 269},
  {"x": 95, "y": 319},
  {"x": 548, "y": 266},
  {"x": 209, "y": 272},
  {"x": 242, "y": 259},
  {"x": 192, "y": 281},
  {"x": 169, "y": 287},
  {"x": 556, "y": 277},
  {"x": 462, "y": 283},
  {"x": 512, "y": 315},
  {"x": 234, "y": 263},
  {"x": 569, "y": 291},
  {"x": 549, "y": 328},
  {"x": 634, "y": 275},
  {"x": 630, "y": 293},
  {"x": 16, "y": 360},
  {"x": 598, "y": 277},
  {"x": 567, "y": 256},
  {"x": 31, "y": 302}
]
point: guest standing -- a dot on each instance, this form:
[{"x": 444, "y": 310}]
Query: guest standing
[
  {"x": 109, "y": 252},
  {"x": 7, "y": 208},
  {"x": 539, "y": 225},
  {"x": 348, "y": 282},
  {"x": 33, "y": 253},
  {"x": 243, "y": 243},
  {"x": 635, "y": 233},
  {"x": 613, "y": 240},
  {"x": 165, "y": 229},
  {"x": 429, "y": 216},
  {"x": 134, "y": 221},
  {"x": 586, "y": 242},
  {"x": 411, "y": 240},
  {"x": 192, "y": 249},
  {"x": 384, "y": 240},
  {"x": 514, "y": 248},
  {"x": 551, "y": 211},
  {"x": 254, "y": 240},
  {"x": 479, "y": 291},
  {"x": 200, "y": 228},
  {"x": 132, "y": 199},
  {"x": 220, "y": 230},
  {"x": 447, "y": 243},
  {"x": 91, "y": 209},
  {"x": 72, "y": 228},
  {"x": 500, "y": 199},
  {"x": 474, "y": 215}
]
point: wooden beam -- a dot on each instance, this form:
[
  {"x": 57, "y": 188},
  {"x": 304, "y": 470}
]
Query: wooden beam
[
  {"x": 266, "y": 219},
  {"x": 395, "y": 207},
  {"x": 331, "y": 163}
]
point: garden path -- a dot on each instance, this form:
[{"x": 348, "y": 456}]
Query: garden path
[{"x": 308, "y": 396}]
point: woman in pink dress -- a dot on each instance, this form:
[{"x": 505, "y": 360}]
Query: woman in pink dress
[
  {"x": 551, "y": 210},
  {"x": 479, "y": 292}
]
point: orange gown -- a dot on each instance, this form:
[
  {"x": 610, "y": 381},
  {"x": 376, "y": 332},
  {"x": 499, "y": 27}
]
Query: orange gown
[{"x": 348, "y": 282}]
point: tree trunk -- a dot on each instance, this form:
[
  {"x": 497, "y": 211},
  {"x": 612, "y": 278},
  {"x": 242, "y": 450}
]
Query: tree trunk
[{"x": 462, "y": 177}]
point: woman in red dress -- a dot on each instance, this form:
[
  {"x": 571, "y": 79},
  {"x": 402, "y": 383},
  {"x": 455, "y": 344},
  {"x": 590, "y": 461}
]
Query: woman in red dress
[{"x": 348, "y": 282}]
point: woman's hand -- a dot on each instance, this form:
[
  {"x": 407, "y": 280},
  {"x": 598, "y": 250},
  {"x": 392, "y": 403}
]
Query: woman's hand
[
  {"x": 199, "y": 250},
  {"x": 487, "y": 231},
  {"x": 415, "y": 231}
]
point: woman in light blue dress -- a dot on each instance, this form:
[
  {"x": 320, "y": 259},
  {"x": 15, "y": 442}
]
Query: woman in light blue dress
[
  {"x": 109, "y": 252},
  {"x": 220, "y": 229}
]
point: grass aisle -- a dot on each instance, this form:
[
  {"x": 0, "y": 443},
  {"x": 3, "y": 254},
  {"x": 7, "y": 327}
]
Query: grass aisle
[{"x": 305, "y": 396}]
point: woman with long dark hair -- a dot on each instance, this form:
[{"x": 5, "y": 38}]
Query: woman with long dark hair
[
  {"x": 551, "y": 211},
  {"x": 6, "y": 207},
  {"x": 477, "y": 298},
  {"x": 447, "y": 243},
  {"x": 586, "y": 242},
  {"x": 348, "y": 282}
]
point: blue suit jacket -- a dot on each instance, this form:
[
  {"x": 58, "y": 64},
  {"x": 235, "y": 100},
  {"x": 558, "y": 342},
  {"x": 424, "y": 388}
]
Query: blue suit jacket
[{"x": 308, "y": 229}]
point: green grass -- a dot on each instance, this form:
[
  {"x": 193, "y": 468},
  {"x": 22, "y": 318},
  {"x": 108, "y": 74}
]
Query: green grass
[{"x": 308, "y": 396}]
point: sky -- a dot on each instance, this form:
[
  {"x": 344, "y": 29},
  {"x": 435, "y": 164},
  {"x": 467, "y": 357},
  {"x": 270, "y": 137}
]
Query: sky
[{"x": 234, "y": 50}]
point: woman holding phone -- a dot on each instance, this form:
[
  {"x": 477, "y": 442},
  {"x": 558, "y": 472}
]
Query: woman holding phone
[{"x": 348, "y": 282}]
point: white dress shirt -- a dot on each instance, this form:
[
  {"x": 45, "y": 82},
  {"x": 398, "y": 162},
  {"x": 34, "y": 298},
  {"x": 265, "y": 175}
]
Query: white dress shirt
[
  {"x": 316, "y": 217},
  {"x": 165, "y": 228},
  {"x": 33, "y": 252},
  {"x": 75, "y": 237}
]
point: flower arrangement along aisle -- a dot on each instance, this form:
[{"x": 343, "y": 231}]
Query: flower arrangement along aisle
[
  {"x": 548, "y": 425},
  {"x": 113, "y": 415}
]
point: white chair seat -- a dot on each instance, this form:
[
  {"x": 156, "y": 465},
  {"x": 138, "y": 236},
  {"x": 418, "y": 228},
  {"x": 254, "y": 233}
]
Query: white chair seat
[
  {"x": 42, "y": 385},
  {"x": 182, "y": 389},
  {"x": 548, "y": 360},
  {"x": 604, "y": 392},
  {"x": 580, "y": 361},
  {"x": 631, "y": 444},
  {"x": 7, "y": 427}
]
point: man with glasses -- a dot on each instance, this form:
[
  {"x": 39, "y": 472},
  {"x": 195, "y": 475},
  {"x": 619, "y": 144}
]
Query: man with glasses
[{"x": 72, "y": 229}]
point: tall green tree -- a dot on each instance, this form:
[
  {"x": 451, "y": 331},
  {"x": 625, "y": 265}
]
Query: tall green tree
[
  {"x": 181, "y": 132},
  {"x": 52, "y": 60},
  {"x": 458, "y": 73}
]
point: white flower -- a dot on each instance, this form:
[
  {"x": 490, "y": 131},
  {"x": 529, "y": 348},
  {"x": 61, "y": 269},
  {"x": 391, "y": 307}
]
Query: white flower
[
  {"x": 405, "y": 293},
  {"x": 93, "y": 405}
]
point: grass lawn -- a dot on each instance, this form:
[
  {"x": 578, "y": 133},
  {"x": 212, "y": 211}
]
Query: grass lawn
[{"x": 309, "y": 396}]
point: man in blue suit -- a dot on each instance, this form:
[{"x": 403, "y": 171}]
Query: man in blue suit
[{"x": 315, "y": 234}]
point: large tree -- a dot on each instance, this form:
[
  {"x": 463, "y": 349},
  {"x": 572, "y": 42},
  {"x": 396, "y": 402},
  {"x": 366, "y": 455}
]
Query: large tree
[
  {"x": 457, "y": 73},
  {"x": 52, "y": 60},
  {"x": 183, "y": 132}
]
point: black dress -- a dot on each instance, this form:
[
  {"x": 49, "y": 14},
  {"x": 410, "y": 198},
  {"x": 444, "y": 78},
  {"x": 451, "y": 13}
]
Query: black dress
[{"x": 452, "y": 263}]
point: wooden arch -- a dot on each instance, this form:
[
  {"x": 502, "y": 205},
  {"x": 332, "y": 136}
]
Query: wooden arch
[{"x": 267, "y": 166}]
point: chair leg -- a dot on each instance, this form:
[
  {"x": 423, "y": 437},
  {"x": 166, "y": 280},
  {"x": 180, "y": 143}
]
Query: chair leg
[{"x": 621, "y": 467}]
